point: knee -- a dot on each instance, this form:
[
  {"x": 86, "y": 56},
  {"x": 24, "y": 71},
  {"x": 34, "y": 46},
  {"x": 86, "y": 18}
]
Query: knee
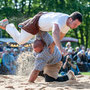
[{"x": 9, "y": 26}]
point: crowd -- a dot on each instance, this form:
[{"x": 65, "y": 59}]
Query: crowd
[
  {"x": 77, "y": 60},
  {"x": 8, "y": 59}
]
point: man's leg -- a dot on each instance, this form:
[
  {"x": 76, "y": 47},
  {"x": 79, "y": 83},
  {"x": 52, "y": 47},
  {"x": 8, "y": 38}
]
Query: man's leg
[
  {"x": 3, "y": 23},
  {"x": 62, "y": 78},
  {"x": 41, "y": 74},
  {"x": 69, "y": 76},
  {"x": 20, "y": 37},
  {"x": 59, "y": 79},
  {"x": 49, "y": 78}
]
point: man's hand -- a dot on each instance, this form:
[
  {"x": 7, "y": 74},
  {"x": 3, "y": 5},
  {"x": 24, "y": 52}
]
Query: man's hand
[
  {"x": 69, "y": 62},
  {"x": 33, "y": 76},
  {"x": 64, "y": 52},
  {"x": 51, "y": 48},
  {"x": 56, "y": 33}
]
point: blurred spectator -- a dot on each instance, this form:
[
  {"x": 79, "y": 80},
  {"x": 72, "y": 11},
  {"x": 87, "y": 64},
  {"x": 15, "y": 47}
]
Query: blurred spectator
[
  {"x": 77, "y": 50},
  {"x": 77, "y": 57},
  {"x": 7, "y": 62},
  {"x": 15, "y": 54},
  {"x": 82, "y": 47},
  {"x": 11, "y": 51},
  {"x": 81, "y": 61},
  {"x": 88, "y": 56},
  {"x": 83, "y": 57},
  {"x": 86, "y": 53},
  {"x": 70, "y": 65},
  {"x": 0, "y": 63},
  {"x": 66, "y": 49},
  {"x": 19, "y": 48},
  {"x": 0, "y": 58},
  {"x": 70, "y": 53},
  {"x": 68, "y": 45},
  {"x": 1, "y": 46},
  {"x": 22, "y": 49},
  {"x": 4, "y": 48}
]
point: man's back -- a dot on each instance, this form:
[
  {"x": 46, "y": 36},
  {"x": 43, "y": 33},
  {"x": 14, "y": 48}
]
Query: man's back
[
  {"x": 45, "y": 54},
  {"x": 46, "y": 21}
]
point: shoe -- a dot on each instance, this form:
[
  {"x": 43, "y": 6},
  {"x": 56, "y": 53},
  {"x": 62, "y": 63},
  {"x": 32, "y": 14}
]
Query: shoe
[
  {"x": 71, "y": 75},
  {"x": 3, "y": 23},
  {"x": 20, "y": 25}
]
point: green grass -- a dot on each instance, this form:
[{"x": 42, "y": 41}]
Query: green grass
[{"x": 85, "y": 73}]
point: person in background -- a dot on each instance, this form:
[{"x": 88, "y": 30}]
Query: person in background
[
  {"x": 84, "y": 60},
  {"x": 0, "y": 62},
  {"x": 69, "y": 65},
  {"x": 15, "y": 53},
  {"x": 7, "y": 62},
  {"x": 11, "y": 51},
  {"x": 77, "y": 50},
  {"x": 88, "y": 56},
  {"x": 68, "y": 45}
]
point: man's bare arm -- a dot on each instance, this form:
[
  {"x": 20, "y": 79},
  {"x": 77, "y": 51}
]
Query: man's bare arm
[
  {"x": 56, "y": 37},
  {"x": 62, "y": 35},
  {"x": 33, "y": 76}
]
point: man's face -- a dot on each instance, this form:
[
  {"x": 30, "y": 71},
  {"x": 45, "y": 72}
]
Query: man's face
[
  {"x": 74, "y": 23},
  {"x": 38, "y": 49}
]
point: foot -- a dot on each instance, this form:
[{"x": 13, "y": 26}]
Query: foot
[
  {"x": 3, "y": 23},
  {"x": 20, "y": 25},
  {"x": 71, "y": 75}
]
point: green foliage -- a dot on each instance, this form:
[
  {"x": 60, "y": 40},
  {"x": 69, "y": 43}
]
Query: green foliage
[
  {"x": 19, "y": 10},
  {"x": 9, "y": 12}
]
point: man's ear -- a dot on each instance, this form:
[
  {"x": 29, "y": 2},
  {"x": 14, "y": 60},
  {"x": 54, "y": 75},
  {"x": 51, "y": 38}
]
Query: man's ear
[{"x": 70, "y": 19}]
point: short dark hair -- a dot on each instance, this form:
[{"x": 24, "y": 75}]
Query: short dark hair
[
  {"x": 38, "y": 43},
  {"x": 76, "y": 15}
]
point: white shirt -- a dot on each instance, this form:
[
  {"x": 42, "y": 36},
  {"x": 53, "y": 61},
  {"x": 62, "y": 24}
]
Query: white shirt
[{"x": 46, "y": 21}]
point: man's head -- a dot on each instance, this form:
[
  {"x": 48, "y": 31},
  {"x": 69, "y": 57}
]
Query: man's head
[
  {"x": 77, "y": 49},
  {"x": 74, "y": 20},
  {"x": 38, "y": 46},
  {"x": 7, "y": 51}
]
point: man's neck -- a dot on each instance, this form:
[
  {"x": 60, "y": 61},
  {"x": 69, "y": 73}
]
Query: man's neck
[{"x": 67, "y": 22}]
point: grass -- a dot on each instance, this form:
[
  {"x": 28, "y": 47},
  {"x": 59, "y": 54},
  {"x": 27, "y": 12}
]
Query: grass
[{"x": 85, "y": 73}]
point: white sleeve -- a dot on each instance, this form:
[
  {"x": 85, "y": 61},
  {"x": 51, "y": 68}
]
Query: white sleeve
[{"x": 60, "y": 23}]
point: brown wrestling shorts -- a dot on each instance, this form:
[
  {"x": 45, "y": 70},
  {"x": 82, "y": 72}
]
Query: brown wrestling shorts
[{"x": 31, "y": 25}]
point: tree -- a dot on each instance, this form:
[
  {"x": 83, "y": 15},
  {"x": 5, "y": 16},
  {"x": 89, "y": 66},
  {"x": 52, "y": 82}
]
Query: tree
[{"x": 19, "y": 10}]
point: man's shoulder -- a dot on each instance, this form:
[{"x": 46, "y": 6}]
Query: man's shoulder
[{"x": 44, "y": 53}]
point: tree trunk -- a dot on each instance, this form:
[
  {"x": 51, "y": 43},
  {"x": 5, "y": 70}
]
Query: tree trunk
[
  {"x": 29, "y": 7},
  {"x": 5, "y": 2}
]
